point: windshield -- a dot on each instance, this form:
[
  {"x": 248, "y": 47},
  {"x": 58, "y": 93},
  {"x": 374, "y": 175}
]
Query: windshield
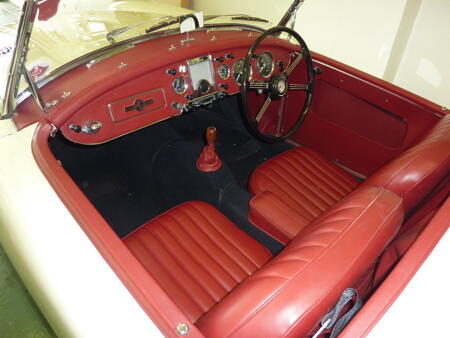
[
  {"x": 65, "y": 30},
  {"x": 80, "y": 27}
]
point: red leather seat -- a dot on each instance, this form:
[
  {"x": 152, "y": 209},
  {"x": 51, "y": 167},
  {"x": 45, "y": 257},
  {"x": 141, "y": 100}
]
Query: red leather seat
[
  {"x": 418, "y": 170},
  {"x": 196, "y": 254},
  {"x": 203, "y": 262},
  {"x": 291, "y": 293},
  {"x": 304, "y": 180}
]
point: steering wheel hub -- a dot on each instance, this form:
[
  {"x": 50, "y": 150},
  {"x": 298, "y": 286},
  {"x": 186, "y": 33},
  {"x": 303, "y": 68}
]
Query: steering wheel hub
[{"x": 279, "y": 85}]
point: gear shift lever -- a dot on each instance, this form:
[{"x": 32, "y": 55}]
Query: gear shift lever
[{"x": 208, "y": 160}]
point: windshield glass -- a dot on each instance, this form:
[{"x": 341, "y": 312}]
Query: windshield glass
[
  {"x": 9, "y": 18},
  {"x": 80, "y": 27}
]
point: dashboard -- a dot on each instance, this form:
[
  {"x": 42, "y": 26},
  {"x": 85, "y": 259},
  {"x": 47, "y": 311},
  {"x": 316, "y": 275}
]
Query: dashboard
[{"x": 170, "y": 90}]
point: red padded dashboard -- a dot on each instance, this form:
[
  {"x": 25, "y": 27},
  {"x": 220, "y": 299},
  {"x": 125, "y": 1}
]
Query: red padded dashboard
[{"x": 134, "y": 88}]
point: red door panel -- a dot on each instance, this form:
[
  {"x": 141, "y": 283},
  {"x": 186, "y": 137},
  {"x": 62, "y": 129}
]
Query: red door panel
[{"x": 360, "y": 121}]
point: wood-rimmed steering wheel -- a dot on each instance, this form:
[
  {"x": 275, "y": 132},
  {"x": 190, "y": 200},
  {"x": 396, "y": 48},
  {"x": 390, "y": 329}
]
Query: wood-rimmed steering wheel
[{"x": 277, "y": 87}]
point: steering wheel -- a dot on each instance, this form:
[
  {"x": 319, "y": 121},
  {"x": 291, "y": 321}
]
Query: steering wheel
[{"x": 277, "y": 87}]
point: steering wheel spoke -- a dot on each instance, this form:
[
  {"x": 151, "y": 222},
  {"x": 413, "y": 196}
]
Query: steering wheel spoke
[
  {"x": 256, "y": 84},
  {"x": 298, "y": 86},
  {"x": 263, "y": 109},
  {"x": 294, "y": 63}
]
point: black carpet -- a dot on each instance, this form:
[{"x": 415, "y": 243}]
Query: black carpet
[{"x": 137, "y": 177}]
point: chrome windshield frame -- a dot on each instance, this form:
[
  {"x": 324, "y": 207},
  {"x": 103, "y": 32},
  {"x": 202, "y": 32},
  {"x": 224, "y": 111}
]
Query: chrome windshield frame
[{"x": 17, "y": 66}]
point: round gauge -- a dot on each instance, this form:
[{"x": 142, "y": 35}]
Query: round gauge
[
  {"x": 223, "y": 71},
  {"x": 237, "y": 70},
  {"x": 179, "y": 85},
  {"x": 265, "y": 64}
]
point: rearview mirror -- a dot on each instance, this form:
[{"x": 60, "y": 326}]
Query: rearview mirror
[{"x": 191, "y": 22}]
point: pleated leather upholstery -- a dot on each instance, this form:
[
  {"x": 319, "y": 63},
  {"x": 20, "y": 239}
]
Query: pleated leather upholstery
[
  {"x": 414, "y": 173},
  {"x": 196, "y": 255},
  {"x": 289, "y": 295},
  {"x": 304, "y": 180}
]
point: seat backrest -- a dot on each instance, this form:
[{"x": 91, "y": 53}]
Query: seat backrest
[
  {"x": 290, "y": 294},
  {"x": 418, "y": 170}
]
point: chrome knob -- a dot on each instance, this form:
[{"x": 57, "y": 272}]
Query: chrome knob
[{"x": 91, "y": 127}]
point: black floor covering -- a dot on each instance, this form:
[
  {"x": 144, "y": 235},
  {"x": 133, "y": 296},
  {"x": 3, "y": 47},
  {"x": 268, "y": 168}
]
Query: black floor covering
[{"x": 135, "y": 178}]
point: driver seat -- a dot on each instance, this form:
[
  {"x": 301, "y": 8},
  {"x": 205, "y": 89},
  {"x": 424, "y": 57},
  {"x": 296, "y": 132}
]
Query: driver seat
[{"x": 304, "y": 181}]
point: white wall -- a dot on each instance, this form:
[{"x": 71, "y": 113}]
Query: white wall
[
  {"x": 425, "y": 65},
  {"x": 403, "y": 41}
]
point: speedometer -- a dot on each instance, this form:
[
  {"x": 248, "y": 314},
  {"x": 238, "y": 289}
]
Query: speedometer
[
  {"x": 265, "y": 64},
  {"x": 223, "y": 71}
]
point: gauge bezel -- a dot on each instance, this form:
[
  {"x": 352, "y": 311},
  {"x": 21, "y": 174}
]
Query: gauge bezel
[
  {"x": 228, "y": 71},
  {"x": 272, "y": 68},
  {"x": 185, "y": 86},
  {"x": 234, "y": 72}
]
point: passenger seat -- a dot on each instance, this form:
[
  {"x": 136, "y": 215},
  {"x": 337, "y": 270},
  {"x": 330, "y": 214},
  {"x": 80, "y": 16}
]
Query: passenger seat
[{"x": 229, "y": 285}]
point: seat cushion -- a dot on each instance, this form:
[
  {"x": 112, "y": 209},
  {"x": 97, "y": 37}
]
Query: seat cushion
[
  {"x": 418, "y": 170},
  {"x": 290, "y": 294},
  {"x": 196, "y": 255},
  {"x": 304, "y": 180}
]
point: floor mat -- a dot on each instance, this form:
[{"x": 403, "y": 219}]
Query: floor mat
[{"x": 137, "y": 177}]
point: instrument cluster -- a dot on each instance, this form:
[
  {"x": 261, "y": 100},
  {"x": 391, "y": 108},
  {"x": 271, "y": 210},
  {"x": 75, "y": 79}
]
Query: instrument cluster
[{"x": 206, "y": 74}]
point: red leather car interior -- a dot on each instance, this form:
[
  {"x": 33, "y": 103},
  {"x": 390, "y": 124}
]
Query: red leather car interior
[
  {"x": 309, "y": 184},
  {"x": 202, "y": 261},
  {"x": 418, "y": 170},
  {"x": 291, "y": 293},
  {"x": 304, "y": 180},
  {"x": 269, "y": 213},
  {"x": 196, "y": 255}
]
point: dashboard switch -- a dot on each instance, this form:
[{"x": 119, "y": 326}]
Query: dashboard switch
[
  {"x": 230, "y": 56},
  {"x": 219, "y": 59},
  {"x": 75, "y": 128},
  {"x": 171, "y": 72}
]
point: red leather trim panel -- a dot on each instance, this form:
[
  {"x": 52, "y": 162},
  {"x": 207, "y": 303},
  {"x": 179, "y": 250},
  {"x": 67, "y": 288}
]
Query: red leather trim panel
[
  {"x": 196, "y": 255},
  {"x": 269, "y": 213},
  {"x": 418, "y": 170},
  {"x": 400, "y": 276},
  {"x": 291, "y": 293},
  {"x": 358, "y": 116},
  {"x": 304, "y": 180}
]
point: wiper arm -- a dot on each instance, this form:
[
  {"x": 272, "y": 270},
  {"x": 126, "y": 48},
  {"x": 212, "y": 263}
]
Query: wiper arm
[
  {"x": 116, "y": 32},
  {"x": 241, "y": 17},
  {"x": 168, "y": 22}
]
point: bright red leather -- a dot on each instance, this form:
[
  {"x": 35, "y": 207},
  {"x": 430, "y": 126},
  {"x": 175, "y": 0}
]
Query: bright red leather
[
  {"x": 196, "y": 255},
  {"x": 269, "y": 213},
  {"x": 418, "y": 170},
  {"x": 291, "y": 293},
  {"x": 304, "y": 180}
]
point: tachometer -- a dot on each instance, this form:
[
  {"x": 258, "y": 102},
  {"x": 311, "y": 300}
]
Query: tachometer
[
  {"x": 237, "y": 70},
  {"x": 223, "y": 71},
  {"x": 265, "y": 64},
  {"x": 179, "y": 85}
]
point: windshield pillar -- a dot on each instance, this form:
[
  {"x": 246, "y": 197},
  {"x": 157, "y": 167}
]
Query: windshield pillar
[{"x": 17, "y": 66}]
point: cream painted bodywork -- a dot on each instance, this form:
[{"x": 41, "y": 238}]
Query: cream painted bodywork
[{"x": 72, "y": 284}]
